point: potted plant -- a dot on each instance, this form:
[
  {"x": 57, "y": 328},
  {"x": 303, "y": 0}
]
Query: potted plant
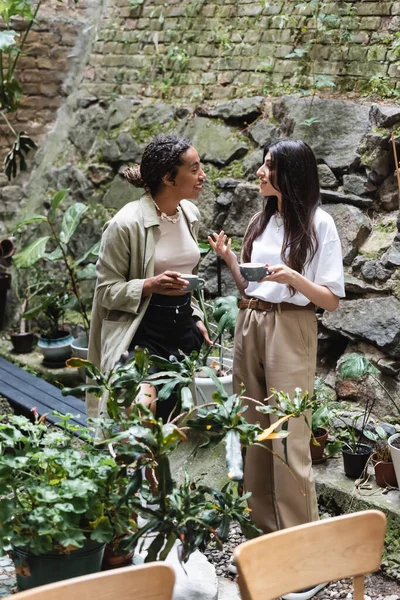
[
  {"x": 59, "y": 502},
  {"x": 383, "y": 465},
  {"x": 54, "y": 342},
  {"x": 225, "y": 313},
  {"x": 355, "y": 365},
  {"x": 7, "y": 249},
  {"x": 27, "y": 284},
  {"x": 56, "y": 249},
  {"x": 323, "y": 411}
]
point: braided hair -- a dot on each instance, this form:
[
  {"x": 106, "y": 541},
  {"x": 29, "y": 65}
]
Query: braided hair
[{"x": 162, "y": 156}]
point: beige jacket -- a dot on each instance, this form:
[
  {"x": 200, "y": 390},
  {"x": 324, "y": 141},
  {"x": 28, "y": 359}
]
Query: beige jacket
[{"x": 126, "y": 259}]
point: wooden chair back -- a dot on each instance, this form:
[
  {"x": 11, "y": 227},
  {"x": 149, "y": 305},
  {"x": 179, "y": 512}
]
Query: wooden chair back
[
  {"x": 304, "y": 556},
  {"x": 153, "y": 581}
]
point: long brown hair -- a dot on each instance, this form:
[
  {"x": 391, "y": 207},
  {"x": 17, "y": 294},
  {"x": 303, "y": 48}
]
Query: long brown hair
[{"x": 294, "y": 173}]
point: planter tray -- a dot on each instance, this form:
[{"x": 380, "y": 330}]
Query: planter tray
[{"x": 25, "y": 391}]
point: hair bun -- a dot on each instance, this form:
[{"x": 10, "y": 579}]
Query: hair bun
[{"x": 132, "y": 174}]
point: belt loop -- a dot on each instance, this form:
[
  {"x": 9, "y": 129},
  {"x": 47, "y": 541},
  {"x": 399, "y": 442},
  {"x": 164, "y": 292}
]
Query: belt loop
[{"x": 279, "y": 307}]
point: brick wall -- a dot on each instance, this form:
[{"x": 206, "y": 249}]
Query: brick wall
[
  {"x": 48, "y": 59},
  {"x": 216, "y": 49}
]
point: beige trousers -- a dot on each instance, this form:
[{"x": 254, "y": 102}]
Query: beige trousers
[{"x": 277, "y": 349}]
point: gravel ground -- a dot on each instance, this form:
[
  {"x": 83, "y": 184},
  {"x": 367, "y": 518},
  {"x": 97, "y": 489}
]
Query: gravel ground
[{"x": 377, "y": 586}]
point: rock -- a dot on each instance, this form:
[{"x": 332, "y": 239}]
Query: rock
[
  {"x": 11, "y": 194},
  {"x": 227, "y": 183},
  {"x": 197, "y": 581},
  {"x": 208, "y": 270},
  {"x": 374, "y": 320},
  {"x": 385, "y": 364},
  {"x": 391, "y": 258},
  {"x": 225, "y": 198},
  {"x": 242, "y": 109},
  {"x": 328, "y": 196},
  {"x": 358, "y": 262},
  {"x": 380, "y": 239},
  {"x": 122, "y": 149},
  {"x": 157, "y": 113},
  {"x": 357, "y": 184},
  {"x": 354, "y": 285},
  {"x": 246, "y": 202},
  {"x": 87, "y": 125},
  {"x": 216, "y": 143},
  {"x": 120, "y": 193},
  {"x": 375, "y": 154},
  {"x": 228, "y": 590},
  {"x": 70, "y": 177},
  {"x": 384, "y": 116},
  {"x": 99, "y": 174},
  {"x": 86, "y": 101},
  {"x": 118, "y": 112},
  {"x": 389, "y": 195},
  {"x": 353, "y": 228},
  {"x": 373, "y": 269},
  {"x": 252, "y": 163},
  {"x": 336, "y": 136},
  {"x": 263, "y": 133},
  {"x": 207, "y": 208},
  {"x": 326, "y": 178}
]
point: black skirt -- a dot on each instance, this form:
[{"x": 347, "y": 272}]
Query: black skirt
[{"x": 168, "y": 329}]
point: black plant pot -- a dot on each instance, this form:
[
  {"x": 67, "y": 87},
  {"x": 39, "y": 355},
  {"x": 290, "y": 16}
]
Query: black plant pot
[
  {"x": 23, "y": 342},
  {"x": 34, "y": 570},
  {"x": 354, "y": 464},
  {"x": 5, "y": 284}
]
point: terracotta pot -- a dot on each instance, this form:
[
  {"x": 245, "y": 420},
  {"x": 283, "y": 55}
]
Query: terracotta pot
[
  {"x": 317, "y": 452},
  {"x": 113, "y": 557},
  {"x": 384, "y": 473}
]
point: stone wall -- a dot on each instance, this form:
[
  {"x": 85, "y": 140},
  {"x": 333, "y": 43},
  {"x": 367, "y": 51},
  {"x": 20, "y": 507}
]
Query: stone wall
[{"x": 206, "y": 50}]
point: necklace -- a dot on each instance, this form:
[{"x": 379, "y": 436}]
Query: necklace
[
  {"x": 279, "y": 221},
  {"x": 172, "y": 219}
]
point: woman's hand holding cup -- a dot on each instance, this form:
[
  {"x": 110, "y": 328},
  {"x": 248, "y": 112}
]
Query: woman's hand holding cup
[{"x": 169, "y": 283}]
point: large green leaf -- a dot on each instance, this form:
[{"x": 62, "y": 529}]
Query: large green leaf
[
  {"x": 29, "y": 221},
  {"x": 88, "y": 273},
  {"x": 93, "y": 252},
  {"x": 16, "y": 8},
  {"x": 72, "y": 218},
  {"x": 57, "y": 198},
  {"x": 32, "y": 253},
  {"x": 7, "y": 38}
]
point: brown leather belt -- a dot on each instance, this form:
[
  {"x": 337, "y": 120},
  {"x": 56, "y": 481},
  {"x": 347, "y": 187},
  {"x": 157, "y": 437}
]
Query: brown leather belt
[{"x": 256, "y": 304}]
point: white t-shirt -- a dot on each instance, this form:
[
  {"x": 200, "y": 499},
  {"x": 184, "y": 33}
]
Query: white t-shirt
[
  {"x": 326, "y": 268},
  {"x": 176, "y": 250}
]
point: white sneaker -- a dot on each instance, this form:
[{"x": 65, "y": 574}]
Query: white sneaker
[
  {"x": 305, "y": 594},
  {"x": 232, "y": 568}
]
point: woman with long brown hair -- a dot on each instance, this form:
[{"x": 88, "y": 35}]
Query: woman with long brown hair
[{"x": 276, "y": 331}]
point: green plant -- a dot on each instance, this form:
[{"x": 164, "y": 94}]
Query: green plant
[
  {"x": 189, "y": 512},
  {"x": 27, "y": 285},
  {"x": 286, "y": 408},
  {"x": 51, "y": 305},
  {"x": 225, "y": 314},
  {"x": 382, "y": 451},
  {"x": 54, "y": 495},
  {"x": 60, "y": 237},
  {"x": 10, "y": 87},
  {"x": 355, "y": 366}
]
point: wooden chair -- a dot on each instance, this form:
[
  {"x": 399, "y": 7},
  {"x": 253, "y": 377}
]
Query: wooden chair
[
  {"x": 300, "y": 557},
  {"x": 154, "y": 581}
]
